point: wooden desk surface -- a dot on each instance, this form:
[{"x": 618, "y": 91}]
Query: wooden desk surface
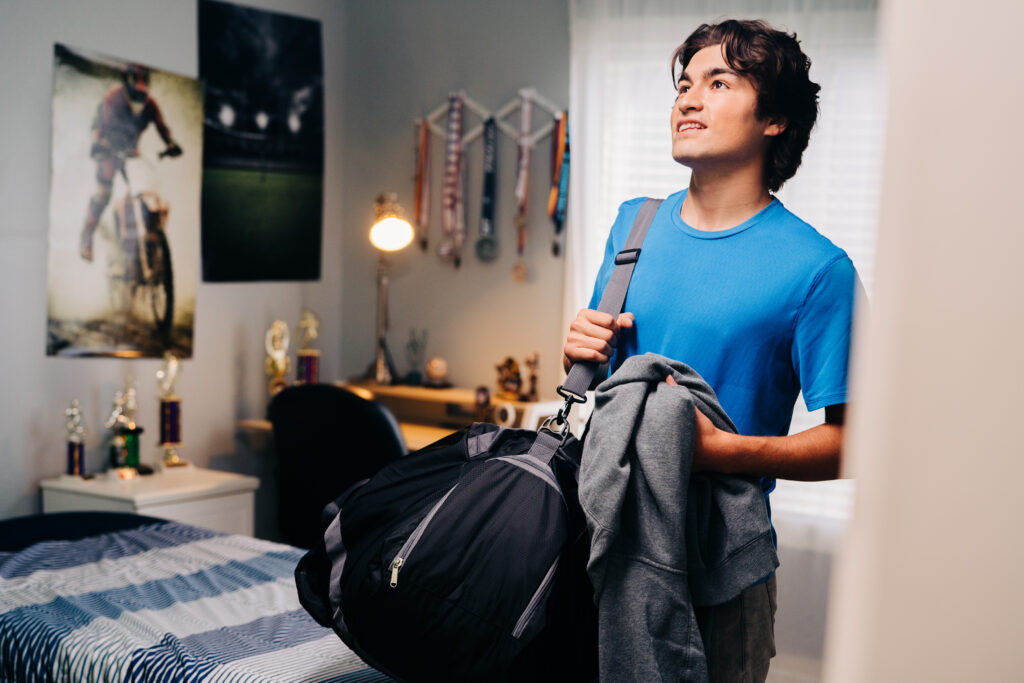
[{"x": 416, "y": 436}]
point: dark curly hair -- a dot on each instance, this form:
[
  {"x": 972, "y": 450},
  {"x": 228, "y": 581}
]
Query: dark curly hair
[{"x": 779, "y": 68}]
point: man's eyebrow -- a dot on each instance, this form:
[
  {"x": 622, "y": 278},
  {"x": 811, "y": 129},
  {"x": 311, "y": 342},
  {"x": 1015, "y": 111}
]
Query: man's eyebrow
[{"x": 711, "y": 73}]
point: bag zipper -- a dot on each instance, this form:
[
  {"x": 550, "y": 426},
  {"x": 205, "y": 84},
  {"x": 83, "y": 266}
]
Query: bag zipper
[
  {"x": 535, "y": 602},
  {"x": 414, "y": 538}
]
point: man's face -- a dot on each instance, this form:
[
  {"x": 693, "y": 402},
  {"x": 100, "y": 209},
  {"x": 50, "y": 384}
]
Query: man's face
[{"x": 713, "y": 121}]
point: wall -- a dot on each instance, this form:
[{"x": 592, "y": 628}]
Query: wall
[
  {"x": 225, "y": 380},
  {"x": 928, "y": 584},
  {"x": 401, "y": 60}
]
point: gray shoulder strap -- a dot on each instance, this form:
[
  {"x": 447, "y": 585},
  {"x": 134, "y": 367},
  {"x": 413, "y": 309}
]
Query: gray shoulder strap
[{"x": 614, "y": 296}]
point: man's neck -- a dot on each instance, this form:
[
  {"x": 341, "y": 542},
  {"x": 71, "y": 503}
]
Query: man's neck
[{"x": 723, "y": 201}]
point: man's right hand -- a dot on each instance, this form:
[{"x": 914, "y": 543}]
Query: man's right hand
[{"x": 593, "y": 336}]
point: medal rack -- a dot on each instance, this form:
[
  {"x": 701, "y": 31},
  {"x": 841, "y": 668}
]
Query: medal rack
[{"x": 499, "y": 116}]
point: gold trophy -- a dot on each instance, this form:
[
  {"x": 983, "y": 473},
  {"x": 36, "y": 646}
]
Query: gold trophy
[
  {"x": 170, "y": 411},
  {"x": 308, "y": 370},
  {"x": 276, "y": 343}
]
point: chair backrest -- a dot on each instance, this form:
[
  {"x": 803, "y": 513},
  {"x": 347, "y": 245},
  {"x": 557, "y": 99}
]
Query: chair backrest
[{"x": 326, "y": 439}]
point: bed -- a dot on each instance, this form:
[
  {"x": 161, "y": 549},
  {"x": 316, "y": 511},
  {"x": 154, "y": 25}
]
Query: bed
[{"x": 92, "y": 596}]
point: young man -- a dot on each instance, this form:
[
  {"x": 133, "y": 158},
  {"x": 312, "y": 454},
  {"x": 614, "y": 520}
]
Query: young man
[{"x": 740, "y": 289}]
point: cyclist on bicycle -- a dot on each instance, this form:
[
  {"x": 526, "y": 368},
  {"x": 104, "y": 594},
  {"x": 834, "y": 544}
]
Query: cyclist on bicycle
[{"x": 124, "y": 113}]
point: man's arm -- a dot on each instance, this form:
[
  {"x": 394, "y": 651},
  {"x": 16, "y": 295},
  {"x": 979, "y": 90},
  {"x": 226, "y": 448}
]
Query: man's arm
[{"x": 811, "y": 455}]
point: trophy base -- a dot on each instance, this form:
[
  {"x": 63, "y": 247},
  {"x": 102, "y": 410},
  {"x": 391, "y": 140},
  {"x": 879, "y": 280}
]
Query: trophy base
[{"x": 171, "y": 459}]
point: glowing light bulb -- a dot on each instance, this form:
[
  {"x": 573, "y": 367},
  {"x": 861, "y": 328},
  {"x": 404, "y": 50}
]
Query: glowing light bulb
[{"x": 391, "y": 233}]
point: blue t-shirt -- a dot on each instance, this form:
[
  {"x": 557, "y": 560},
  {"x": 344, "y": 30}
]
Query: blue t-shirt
[{"x": 762, "y": 310}]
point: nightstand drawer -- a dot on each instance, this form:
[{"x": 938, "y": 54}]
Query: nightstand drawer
[{"x": 222, "y": 501}]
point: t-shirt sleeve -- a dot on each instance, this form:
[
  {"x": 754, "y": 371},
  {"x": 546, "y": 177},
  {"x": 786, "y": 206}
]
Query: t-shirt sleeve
[{"x": 821, "y": 348}]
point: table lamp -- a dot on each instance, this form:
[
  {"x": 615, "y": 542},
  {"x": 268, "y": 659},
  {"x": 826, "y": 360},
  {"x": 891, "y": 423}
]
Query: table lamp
[{"x": 390, "y": 232}]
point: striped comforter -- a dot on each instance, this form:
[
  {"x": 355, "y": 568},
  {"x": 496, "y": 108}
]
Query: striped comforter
[{"x": 164, "y": 602}]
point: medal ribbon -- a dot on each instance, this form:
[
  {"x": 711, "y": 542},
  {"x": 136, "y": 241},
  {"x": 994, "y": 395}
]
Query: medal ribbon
[
  {"x": 451, "y": 191},
  {"x": 522, "y": 178},
  {"x": 486, "y": 246},
  {"x": 421, "y": 213},
  {"x": 559, "y": 196}
]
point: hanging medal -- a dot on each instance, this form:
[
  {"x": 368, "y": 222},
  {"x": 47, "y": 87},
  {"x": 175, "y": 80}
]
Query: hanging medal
[
  {"x": 421, "y": 212},
  {"x": 558, "y": 197},
  {"x": 487, "y": 242},
  {"x": 459, "y": 233},
  {"x": 519, "y": 270},
  {"x": 450, "y": 190}
]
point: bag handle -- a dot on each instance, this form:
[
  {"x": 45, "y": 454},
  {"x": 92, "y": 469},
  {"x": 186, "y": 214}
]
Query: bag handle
[{"x": 582, "y": 373}]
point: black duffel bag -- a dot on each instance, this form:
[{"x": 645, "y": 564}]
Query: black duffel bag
[
  {"x": 466, "y": 561},
  {"x": 451, "y": 563}
]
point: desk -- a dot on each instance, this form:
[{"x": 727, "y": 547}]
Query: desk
[
  {"x": 222, "y": 501},
  {"x": 416, "y": 436}
]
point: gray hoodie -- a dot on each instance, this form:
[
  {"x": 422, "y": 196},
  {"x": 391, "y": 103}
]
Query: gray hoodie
[{"x": 661, "y": 540}]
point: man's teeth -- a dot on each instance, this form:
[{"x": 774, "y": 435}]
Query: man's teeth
[{"x": 688, "y": 126}]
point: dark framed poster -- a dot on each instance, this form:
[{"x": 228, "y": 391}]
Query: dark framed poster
[
  {"x": 263, "y": 157},
  {"x": 125, "y": 165}
]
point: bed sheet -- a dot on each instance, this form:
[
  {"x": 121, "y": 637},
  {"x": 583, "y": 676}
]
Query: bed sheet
[{"x": 163, "y": 602}]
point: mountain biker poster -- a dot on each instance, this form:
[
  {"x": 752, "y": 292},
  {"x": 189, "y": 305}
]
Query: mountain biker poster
[
  {"x": 263, "y": 155},
  {"x": 126, "y": 161}
]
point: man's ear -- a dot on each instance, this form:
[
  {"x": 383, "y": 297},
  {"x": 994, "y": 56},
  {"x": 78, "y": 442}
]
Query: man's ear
[{"x": 775, "y": 127}]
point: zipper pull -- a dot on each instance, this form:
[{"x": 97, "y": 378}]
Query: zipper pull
[{"x": 394, "y": 571}]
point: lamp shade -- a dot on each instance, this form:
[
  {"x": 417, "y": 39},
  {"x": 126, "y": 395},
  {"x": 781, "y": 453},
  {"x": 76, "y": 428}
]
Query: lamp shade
[{"x": 391, "y": 233}]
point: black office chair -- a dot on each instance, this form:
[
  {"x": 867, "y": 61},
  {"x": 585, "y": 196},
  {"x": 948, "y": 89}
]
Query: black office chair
[{"x": 326, "y": 438}]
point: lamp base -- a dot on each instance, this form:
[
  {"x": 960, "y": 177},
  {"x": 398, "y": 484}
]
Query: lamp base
[{"x": 382, "y": 369}]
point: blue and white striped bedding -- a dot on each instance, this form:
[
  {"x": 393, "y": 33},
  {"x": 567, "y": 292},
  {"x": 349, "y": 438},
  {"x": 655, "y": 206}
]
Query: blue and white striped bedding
[{"x": 164, "y": 602}]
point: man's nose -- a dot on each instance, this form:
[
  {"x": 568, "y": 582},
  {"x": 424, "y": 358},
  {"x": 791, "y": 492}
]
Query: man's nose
[{"x": 688, "y": 100}]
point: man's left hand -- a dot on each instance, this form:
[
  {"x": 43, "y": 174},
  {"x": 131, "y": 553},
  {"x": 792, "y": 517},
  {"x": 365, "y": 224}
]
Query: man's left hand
[{"x": 714, "y": 447}]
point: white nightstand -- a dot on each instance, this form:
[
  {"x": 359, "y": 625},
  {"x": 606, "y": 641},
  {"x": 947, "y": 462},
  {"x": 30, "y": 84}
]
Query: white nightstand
[{"x": 222, "y": 501}]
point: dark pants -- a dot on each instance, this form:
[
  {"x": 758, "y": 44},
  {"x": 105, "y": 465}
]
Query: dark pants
[{"x": 739, "y": 635}]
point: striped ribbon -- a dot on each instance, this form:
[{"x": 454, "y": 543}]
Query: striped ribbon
[
  {"x": 421, "y": 212},
  {"x": 559, "y": 196},
  {"x": 451, "y": 191},
  {"x": 523, "y": 176}
]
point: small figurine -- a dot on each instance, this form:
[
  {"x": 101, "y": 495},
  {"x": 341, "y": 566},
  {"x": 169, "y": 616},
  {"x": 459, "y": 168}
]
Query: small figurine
[
  {"x": 532, "y": 362},
  {"x": 509, "y": 380},
  {"x": 276, "y": 342},
  {"x": 482, "y": 408},
  {"x": 76, "y": 438},
  {"x": 437, "y": 373},
  {"x": 415, "y": 349},
  {"x": 308, "y": 370}
]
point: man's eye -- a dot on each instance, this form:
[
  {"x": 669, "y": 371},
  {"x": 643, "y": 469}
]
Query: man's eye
[
  {"x": 683, "y": 88},
  {"x": 719, "y": 85}
]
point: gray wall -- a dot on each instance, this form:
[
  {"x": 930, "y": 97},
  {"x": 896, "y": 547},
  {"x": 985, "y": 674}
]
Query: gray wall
[
  {"x": 401, "y": 59},
  {"x": 225, "y": 379},
  {"x": 385, "y": 63}
]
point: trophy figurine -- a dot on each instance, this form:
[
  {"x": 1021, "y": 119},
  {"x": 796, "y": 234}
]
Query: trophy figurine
[
  {"x": 170, "y": 411},
  {"x": 124, "y": 446},
  {"x": 277, "y": 355},
  {"x": 308, "y": 370},
  {"x": 76, "y": 437}
]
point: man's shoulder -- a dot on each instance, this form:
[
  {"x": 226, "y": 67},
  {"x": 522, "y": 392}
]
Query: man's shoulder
[
  {"x": 629, "y": 209},
  {"x": 794, "y": 233}
]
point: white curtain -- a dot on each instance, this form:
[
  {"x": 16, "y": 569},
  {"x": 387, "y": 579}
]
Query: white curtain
[{"x": 620, "y": 97}]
